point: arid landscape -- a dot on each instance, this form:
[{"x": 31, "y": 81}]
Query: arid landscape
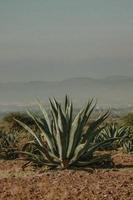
[
  {"x": 66, "y": 100},
  {"x": 29, "y": 172}
]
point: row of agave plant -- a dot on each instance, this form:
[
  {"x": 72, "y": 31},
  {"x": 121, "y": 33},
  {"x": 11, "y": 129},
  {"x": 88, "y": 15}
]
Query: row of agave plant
[{"x": 64, "y": 140}]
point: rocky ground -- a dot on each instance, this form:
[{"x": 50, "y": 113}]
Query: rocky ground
[{"x": 39, "y": 184}]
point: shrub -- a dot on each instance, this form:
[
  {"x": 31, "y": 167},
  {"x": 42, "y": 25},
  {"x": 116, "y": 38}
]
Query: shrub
[
  {"x": 128, "y": 120},
  {"x": 13, "y": 125}
]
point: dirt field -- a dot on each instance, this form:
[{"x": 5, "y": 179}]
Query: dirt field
[{"x": 39, "y": 184}]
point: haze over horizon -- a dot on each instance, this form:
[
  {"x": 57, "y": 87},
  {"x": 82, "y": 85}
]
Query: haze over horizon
[{"x": 56, "y": 40}]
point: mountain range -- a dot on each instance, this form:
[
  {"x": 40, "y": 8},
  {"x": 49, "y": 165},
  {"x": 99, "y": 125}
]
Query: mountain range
[{"x": 114, "y": 91}]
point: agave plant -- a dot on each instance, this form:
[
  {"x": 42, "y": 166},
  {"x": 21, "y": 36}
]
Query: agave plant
[
  {"x": 113, "y": 131},
  {"x": 8, "y": 146},
  {"x": 128, "y": 142},
  {"x": 64, "y": 140}
]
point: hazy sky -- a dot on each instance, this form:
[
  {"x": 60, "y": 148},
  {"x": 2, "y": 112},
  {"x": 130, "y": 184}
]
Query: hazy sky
[{"x": 58, "y": 39}]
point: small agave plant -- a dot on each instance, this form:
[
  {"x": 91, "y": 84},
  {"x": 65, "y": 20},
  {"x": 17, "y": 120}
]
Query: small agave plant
[
  {"x": 68, "y": 140},
  {"x": 8, "y": 149},
  {"x": 128, "y": 142},
  {"x": 113, "y": 131}
]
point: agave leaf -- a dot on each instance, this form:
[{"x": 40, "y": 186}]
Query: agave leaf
[
  {"x": 69, "y": 113},
  {"x": 30, "y": 131},
  {"x": 82, "y": 149},
  {"x": 62, "y": 123},
  {"x": 54, "y": 106},
  {"x": 92, "y": 161},
  {"x": 60, "y": 137},
  {"x": 63, "y": 129},
  {"x": 87, "y": 112},
  {"x": 54, "y": 109},
  {"x": 74, "y": 132},
  {"x": 45, "y": 115},
  {"x": 31, "y": 157},
  {"x": 66, "y": 102},
  {"x": 92, "y": 136},
  {"x": 90, "y": 133},
  {"x": 78, "y": 151},
  {"x": 95, "y": 125},
  {"x": 88, "y": 151},
  {"x": 69, "y": 118},
  {"x": 44, "y": 132},
  {"x": 84, "y": 118},
  {"x": 47, "y": 155}
]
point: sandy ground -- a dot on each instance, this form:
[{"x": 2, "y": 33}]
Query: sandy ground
[{"x": 39, "y": 184}]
